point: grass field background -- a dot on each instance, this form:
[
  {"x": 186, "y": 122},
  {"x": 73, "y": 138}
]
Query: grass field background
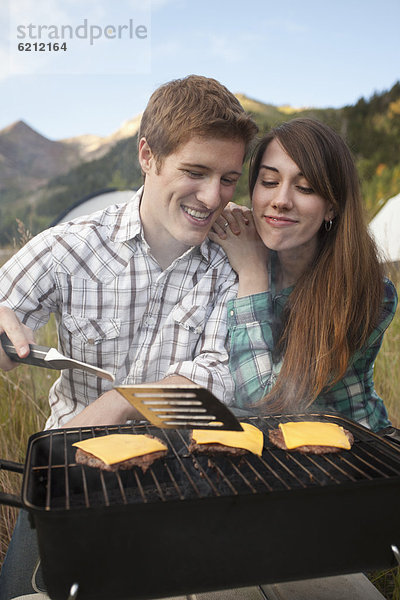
[{"x": 24, "y": 409}]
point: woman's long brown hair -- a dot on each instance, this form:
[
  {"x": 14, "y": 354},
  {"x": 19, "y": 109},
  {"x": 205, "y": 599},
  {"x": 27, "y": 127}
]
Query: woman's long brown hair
[{"x": 335, "y": 304}]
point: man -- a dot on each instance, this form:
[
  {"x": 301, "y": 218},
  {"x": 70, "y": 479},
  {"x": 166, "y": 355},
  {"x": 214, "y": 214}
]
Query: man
[{"x": 137, "y": 289}]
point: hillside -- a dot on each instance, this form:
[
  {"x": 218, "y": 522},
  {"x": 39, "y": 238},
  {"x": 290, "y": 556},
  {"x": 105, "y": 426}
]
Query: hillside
[
  {"x": 91, "y": 147},
  {"x": 28, "y": 159},
  {"x": 40, "y": 178}
]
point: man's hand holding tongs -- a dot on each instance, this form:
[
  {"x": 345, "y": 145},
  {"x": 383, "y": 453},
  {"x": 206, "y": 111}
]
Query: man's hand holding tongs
[{"x": 20, "y": 335}]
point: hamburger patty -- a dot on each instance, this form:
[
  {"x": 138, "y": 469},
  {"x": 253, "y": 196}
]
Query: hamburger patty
[
  {"x": 215, "y": 449},
  {"x": 276, "y": 437},
  {"x": 144, "y": 462}
]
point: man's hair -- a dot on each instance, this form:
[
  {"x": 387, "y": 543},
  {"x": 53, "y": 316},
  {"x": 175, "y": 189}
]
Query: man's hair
[{"x": 193, "y": 106}]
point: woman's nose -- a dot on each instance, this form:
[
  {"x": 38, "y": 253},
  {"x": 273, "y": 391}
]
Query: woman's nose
[{"x": 283, "y": 198}]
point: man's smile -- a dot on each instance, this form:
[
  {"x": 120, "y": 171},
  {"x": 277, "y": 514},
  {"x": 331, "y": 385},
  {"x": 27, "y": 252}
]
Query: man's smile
[{"x": 196, "y": 213}]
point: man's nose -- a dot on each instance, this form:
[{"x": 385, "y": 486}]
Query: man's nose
[{"x": 210, "y": 194}]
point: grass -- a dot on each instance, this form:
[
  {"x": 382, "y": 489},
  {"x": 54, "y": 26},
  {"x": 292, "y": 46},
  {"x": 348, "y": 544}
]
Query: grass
[
  {"x": 24, "y": 409},
  {"x": 387, "y": 384},
  {"x": 388, "y": 583},
  {"x": 387, "y": 372}
]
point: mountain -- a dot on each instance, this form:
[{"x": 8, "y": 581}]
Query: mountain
[
  {"x": 39, "y": 178},
  {"x": 28, "y": 159},
  {"x": 91, "y": 147},
  {"x": 261, "y": 110}
]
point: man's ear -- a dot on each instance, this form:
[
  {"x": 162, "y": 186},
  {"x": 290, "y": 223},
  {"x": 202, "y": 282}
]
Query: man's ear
[{"x": 145, "y": 155}]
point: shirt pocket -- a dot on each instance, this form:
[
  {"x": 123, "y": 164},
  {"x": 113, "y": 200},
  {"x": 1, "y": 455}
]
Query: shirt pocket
[
  {"x": 90, "y": 340},
  {"x": 91, "y": 331}
]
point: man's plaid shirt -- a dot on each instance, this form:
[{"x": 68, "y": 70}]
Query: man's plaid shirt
[{"x": 117, "y": 309}]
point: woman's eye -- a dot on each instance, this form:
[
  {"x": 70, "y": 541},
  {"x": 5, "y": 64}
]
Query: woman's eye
[
  {"x": 305, "y": 190},
  {"x": 268, "y": 184}
]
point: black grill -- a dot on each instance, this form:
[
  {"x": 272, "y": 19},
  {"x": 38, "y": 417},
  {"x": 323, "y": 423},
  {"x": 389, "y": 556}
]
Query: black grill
[{"x": 193, "y": 524}]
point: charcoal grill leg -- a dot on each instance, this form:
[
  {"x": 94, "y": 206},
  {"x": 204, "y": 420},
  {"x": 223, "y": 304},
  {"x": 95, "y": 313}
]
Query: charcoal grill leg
[{"x": 73, "y": 592}]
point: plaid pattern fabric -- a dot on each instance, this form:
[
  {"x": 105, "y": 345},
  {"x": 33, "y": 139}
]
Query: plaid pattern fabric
[
  {"x": 117, "y": 309},
  {"x": 250, "y": 323}
]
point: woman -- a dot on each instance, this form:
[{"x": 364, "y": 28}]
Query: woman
[{"x": 312, "y": 303}]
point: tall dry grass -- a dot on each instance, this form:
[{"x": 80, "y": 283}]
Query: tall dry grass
[
  {"x": 24, "y": 409},
  {"x": 387, "y": 371},
  {"x": 387, "y": 384}
]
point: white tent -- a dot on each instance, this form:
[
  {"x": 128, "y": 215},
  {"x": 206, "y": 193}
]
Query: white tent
[
  {"x": 92, "y": 203},
  {"x": 385, "y": 228}
]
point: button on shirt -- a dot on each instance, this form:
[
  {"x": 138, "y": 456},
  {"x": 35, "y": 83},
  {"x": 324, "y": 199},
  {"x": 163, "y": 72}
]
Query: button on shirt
[{"x": 117, "y": 309}]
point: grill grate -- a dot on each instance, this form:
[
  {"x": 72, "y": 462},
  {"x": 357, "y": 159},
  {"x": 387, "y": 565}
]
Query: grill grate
[{"x": 54, "y": 481}]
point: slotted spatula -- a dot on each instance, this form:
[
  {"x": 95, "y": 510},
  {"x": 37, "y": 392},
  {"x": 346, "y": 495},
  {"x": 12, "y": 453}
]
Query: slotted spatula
[
  {"x": 50, "y": 358},
  {"x": 180, "y": 407}
]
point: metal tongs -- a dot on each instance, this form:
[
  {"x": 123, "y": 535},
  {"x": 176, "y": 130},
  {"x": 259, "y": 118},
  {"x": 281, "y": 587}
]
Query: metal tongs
[
  {"x": 50, "y": 358},
  {"x": 180, "y": 407}
]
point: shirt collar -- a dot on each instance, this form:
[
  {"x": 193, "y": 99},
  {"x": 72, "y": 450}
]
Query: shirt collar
[{"x": 128, "y": 224}]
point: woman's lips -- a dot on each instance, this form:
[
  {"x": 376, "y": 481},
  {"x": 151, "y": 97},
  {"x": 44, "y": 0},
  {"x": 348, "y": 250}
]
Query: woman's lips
[{"x": 279, "y": 221}]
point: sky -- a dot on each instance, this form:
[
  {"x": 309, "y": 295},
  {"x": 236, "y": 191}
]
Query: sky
[{"x": 301, "y": 53}]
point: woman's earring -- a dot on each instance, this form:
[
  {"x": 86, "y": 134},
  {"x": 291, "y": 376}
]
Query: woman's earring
[{"x": 328, "y": 225}]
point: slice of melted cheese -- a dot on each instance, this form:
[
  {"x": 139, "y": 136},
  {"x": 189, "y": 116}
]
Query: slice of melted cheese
[
  {"x": 118, "y": 447},
  {"x": 250, "y": 438},
  {"x": 314, "y": 433}
]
